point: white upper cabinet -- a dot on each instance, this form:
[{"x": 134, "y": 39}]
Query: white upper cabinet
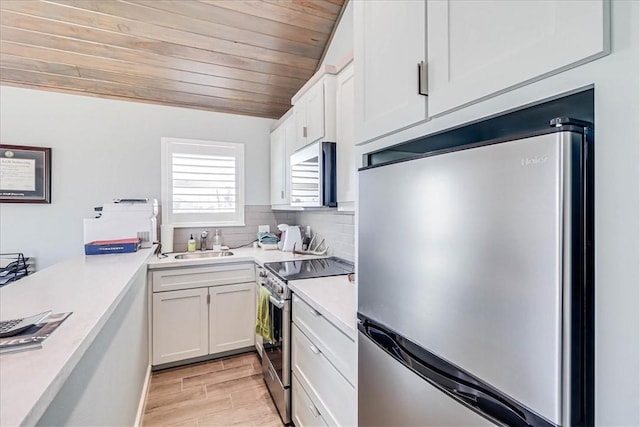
[
  {"x": 481, "y": 48},
  {"x": 278, "y": 168},
  {"x": 314, "y": 100},
  {"x": 314, "y": 109},
  {"x": 283, "y": 139},
  {"x": 389, "y": 43},
  {"x": 345, "y": 148}
]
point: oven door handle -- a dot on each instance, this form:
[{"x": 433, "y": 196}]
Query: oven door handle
[{"x": 276, "y": 303}]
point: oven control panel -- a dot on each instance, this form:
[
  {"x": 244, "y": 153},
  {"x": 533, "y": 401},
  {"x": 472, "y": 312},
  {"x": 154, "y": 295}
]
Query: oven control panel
[{"x": 276, "y": 286}]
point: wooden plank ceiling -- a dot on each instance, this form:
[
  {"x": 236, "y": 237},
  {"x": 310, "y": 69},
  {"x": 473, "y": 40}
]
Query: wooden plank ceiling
[{"x": 236, "y": 56}]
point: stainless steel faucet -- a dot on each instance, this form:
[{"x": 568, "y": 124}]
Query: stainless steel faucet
[{"x": 203, "y": 240}]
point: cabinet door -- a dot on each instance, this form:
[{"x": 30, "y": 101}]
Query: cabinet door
[
  {"x": 314, "y": 99},
  {"x": 480, "y": 48},
  {"x": 232, "y": 317},
  {"x": 180, "y": 325},
  {"x": 303, "y": 411},
  {"x": 289, "y": 133},
  {"x": 346, "y": 167},
  {"x": 300, "y": 120},
  {"x": 278, "y": 168},
  {"x": 389, "y": 42},
  {"x": 333, "y": 396}
]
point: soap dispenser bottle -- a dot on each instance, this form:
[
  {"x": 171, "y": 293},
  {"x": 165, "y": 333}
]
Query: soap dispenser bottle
[
  {"x": 217, "y": 242},
  {"x": 191, "y": 244}
]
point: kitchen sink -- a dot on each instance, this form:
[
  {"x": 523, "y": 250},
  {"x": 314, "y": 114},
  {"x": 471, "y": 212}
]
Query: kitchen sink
[{"x": 196, "y": 255}]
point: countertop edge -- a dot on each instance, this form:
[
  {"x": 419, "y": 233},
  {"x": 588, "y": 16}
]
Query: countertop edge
[{"x": 298, "y": 287}]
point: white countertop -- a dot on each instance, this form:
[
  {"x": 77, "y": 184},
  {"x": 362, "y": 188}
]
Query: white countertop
[
  {"x": 334, "y": 297},
  {"x": 257, "y": 255},
  {"x": 89, "y": 286}
]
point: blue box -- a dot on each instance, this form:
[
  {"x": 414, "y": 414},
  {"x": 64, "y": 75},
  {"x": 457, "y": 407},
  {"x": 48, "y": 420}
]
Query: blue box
[{"x": 112, "y": 246}]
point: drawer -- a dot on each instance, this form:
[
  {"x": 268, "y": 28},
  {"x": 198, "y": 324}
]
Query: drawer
[
  {"x": 304, "y": 412},
  {"x": 197, "y": 277},
  {"x": 334, "y": 344},
  {"x": 329, "y": 391}
]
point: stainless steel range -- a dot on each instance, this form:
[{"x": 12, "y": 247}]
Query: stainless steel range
[{"x": 276, "y": 355}]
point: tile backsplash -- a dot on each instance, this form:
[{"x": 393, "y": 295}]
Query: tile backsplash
[
  {"x": 234, "y": 237},
  {"x": 337, "y": 228}
]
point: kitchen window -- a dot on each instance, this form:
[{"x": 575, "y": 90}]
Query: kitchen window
[{"x": 202, "y": 183}]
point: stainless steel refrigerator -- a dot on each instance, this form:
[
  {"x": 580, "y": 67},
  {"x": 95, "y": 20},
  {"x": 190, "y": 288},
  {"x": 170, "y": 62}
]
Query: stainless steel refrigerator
[{"x": 475, "y": 285}]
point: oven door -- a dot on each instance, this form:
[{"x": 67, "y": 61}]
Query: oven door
[{"x": 276, "y": 362}]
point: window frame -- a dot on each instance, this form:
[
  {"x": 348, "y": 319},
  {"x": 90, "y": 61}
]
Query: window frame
[{"x": 206, "y": 147}]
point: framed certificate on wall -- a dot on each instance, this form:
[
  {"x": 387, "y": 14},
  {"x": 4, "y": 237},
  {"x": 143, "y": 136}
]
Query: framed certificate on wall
[{"x": 25, "y": 174}]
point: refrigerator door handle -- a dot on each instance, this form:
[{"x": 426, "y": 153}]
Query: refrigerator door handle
[
  {"x": 493, "y": 407},
  {"x": 459, "y": 384}
]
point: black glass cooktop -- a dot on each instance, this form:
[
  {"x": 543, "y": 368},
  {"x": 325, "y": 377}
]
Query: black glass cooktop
[{"x": 310, "y": 268}]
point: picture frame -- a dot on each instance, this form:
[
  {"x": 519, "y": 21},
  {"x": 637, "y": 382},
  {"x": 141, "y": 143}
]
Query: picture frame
[{"x": 25, "y": 174}]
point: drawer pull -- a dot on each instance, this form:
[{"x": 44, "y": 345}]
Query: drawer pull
[
  {"x": 314, "y": 312},
  {"x": 315, "y": 349},
  {"x": 314, "y": 411}
]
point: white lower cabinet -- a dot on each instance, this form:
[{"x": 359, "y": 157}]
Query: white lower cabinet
[
  {"x": 203, "y": 320},
  {"x": 305, "y": 412},
  {"x": 232, "y": 317},
  {"x": 323, "y": 367},
  {"x": 180, "y": 325}
]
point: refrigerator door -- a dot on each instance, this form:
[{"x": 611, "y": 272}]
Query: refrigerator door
[
  {"x": 387, "y": 390},
  {"x": 462, "y": 253}
]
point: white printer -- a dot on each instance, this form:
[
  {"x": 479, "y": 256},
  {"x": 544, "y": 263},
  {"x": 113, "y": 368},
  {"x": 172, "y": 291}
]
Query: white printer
[{"x": 124, "y": 219}]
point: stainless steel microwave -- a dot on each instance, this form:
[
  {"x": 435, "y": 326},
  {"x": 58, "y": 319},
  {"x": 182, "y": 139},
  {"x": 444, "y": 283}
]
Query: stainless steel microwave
[{"x": 313, "y": 175}]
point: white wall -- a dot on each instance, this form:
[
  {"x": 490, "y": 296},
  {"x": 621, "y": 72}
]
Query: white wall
[
  {"x": 617, "y": 205},
  {"x": 341, "y": 46},
  {"x": 103, "y": 149}
]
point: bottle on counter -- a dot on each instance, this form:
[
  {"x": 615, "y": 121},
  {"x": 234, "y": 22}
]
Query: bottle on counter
[
  {"x": 217, "y": 241},
  {"x": 191, "y": 244}
]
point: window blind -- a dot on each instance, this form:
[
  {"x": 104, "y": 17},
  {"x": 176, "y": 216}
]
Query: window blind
[
  {"x": 202, "y": 183},
  {"x": 205, "y": 184}
]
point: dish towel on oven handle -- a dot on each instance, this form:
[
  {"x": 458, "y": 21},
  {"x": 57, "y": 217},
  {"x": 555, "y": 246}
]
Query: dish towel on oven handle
[{"x": 263, "y": 321}]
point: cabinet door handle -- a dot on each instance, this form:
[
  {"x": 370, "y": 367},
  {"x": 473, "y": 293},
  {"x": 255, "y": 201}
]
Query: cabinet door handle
[
  {"x": 314, "y": 411},
  {"x": 304, "y": 131},
  {"x": 282, "y": 194},
  {"x": 276, "y": 303},
  {"x": 315, "y": 349},
  {"x": 315, "y": 312},
  {"x": 422, "y": 79}
]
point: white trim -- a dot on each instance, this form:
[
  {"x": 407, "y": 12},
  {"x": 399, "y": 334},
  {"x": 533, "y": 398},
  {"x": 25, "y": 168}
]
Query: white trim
[{"x": 143, "y": 398}]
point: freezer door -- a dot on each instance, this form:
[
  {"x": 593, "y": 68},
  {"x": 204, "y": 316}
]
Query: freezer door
[
  {"x": 462, "y": 253},
  {"x": 389, "y": 394}
]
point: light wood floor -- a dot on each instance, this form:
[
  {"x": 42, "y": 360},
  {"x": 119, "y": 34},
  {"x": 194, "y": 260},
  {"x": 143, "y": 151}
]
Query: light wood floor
[{"x": 223, "y": 392}]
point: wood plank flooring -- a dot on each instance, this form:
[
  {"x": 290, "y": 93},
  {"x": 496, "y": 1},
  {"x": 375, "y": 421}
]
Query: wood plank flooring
[{"x": 222, "y": 392}]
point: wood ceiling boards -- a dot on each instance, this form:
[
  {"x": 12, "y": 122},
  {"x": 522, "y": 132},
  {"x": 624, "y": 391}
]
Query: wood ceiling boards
[{"x": 244, "y": 57}]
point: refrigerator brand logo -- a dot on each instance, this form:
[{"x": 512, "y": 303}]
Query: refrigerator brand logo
[{"x": 530, "y": 161}]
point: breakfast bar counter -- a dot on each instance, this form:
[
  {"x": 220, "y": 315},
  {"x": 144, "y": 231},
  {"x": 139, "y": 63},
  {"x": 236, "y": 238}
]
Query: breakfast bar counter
[{"x": 56, "y": 384}]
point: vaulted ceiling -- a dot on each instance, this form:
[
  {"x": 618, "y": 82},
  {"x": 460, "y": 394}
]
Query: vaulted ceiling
[{"x": 237, "y": 56}]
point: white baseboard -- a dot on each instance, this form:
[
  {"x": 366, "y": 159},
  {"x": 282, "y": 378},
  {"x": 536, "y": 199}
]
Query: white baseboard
[{"x": 143, "y": 397}]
